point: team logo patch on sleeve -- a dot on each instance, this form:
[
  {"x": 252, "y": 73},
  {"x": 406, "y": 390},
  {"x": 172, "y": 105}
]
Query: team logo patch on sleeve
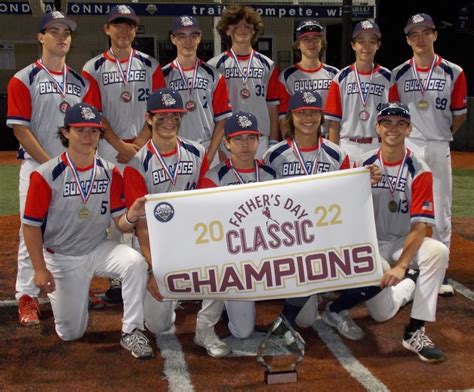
[
  {"x": 163, "y": 212},
  {"x": 427, "y": 206}
]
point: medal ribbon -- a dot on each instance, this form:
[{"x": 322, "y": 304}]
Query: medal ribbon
[
  {"x": 85, "y": 191},
  {"x": 393, "y": 187},
  {"x": 364, "y": 97},
  {"x": 245, "y": 76},
  {"x": 239, "y": 177},
  {"x": 423, "y": 85},
  {"x": 172, "y": 175},
  {"x": 62, "y": 87},
  {"x": 299, "y": 155},
  {"x": 183, "y": 75},
  {"x": 125, "y": 75}
]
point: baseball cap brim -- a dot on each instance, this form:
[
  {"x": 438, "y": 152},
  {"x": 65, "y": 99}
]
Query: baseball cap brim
[
  {"x": 307, "y": 108},
  {"x": 316, "y": 33},
  {"x": 133, "y": 18},
  {"x": 168, "y": 111},
  {"x": 86, "y": 124},
  {"x": 246, "y": 132},
  {"x": 187, "y": 28},
  {"x": 372, "y": 31},
  {"x": 65, "y": 21},
  {"x": 411, "y": 26}
]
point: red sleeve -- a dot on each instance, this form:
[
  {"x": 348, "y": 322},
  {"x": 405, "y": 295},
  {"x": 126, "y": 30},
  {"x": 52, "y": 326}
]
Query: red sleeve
[
  {"x": 459, "y": 94},
  {"x": 203, "y": 170},
  {"x": 134, "y": 185},
  {"x": 158, "y": 80},
  {"x": 422, "y": 196},
  {"x": 93, "y": 95},
  {"x": 273, "y": 86},
  {"x": 220, "y": 99},
  {"x": 284, "y": 99},
  {"x": 393, "y": 95},
  {"x": 38, "y": 198},
  {"x": 346, "y": 163},
  {"x": 116, "y": 191},
  {"x": 206, "y": 183},
  {"x": 19, "y": 100},
  {"x": 333, "y": 102}
]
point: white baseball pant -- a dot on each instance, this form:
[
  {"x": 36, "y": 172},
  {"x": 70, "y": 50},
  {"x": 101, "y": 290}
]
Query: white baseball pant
[
  {"x": 432, "y": 261},
  {"x": 72, "y": 277}
]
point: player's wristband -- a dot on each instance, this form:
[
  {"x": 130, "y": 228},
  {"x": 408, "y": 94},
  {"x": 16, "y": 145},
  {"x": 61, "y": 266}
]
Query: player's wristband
[
  {"x": 272, "y": 142},
  {"x": 128, "y": 222}
]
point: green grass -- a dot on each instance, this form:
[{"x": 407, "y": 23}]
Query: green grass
[
  {"x": 463, "y": 193},
  {"x": 9, "y": 189}
]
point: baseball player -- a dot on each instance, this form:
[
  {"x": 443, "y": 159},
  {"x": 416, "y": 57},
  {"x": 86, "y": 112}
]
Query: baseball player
[
  {"x": 309, "y": 73},
  {"x": 201, "y": 86},
  {"x": 121, "y": 80},
  {"x": 403, "y": 206},
  {"x": 251, "y": 77},
  {"x": 434, "y": 89},
  {"x": 168, "y": 163},
  {"x": 66, "y": 255},
  {"x": 241, "y": 139},
  {"x": 38, "y": 96},
  {"x": 356, "y": 93}
]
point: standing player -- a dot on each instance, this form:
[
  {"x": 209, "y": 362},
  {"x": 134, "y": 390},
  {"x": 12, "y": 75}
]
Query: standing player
[
  {"x": 65, "y": 257},
  {"x": 403, "y": 206},
  {"x": 201, "y": 86},
  {"x": 356, "y": 93},
  {"x": 38, "y": 96},
  {"x": 309, "y": 73},
  {"x": 168, "y": 163},
  {"x": 121, "y": 80},
  {"x": 252, "y": 78},
  {"x": 241, "y": 139},
  {"x": 435, "y": 91}
]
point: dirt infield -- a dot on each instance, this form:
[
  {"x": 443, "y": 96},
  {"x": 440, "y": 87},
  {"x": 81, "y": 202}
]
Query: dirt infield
[{"x": 36, "y": 359}]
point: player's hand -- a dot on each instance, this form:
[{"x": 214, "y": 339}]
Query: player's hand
[
  {"x": 393, "y": 276},
  {"x": 153, "y": 288},
  {"x": 375, "y": 173},
  {"x": 44, "y": 280},
  {"x": 137, "y": 209},
  {"x": 127, "y": 151}
]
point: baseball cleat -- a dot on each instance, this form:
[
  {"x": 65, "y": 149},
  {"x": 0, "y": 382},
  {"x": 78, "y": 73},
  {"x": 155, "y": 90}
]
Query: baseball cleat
[
  {"x": 137, "y": 343},
  {"x": 343, "y": 322},
  {"x": 446, "y": 289},
  {"x": 207, "y": 338},
  {"x": 114, "y": 294},
  {"x": 422, "y": 345},
  {"x": 28, "y": 310}
]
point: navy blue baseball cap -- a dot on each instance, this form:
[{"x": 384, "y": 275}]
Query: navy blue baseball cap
[
  {"x": 122, "y": 12},
  {"x": 241, "y": 123},
  {"x": 305, "y": 100},
  {"x": 396, "y": 109},
  {"x": 165, "y": 100},
  {"x": 56, "y": 17},
  {"x": 418, "y": 20},
  {"x": 366, "y": 26},
  {"x": 308, "y": 26},
  {"x": 82, "y": 115},
  {"x": 186, "y": 22}
]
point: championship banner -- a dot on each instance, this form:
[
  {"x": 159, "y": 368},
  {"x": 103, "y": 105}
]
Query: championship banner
[{"x": 259, "y": 241}]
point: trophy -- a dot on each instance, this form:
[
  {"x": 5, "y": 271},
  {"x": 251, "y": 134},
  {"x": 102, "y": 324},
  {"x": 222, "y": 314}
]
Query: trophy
[{"x": 281, "y": 352}]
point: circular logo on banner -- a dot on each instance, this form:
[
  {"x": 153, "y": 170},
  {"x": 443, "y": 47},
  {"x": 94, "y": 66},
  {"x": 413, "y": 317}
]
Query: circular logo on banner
[{"x": 163, "y": 212}]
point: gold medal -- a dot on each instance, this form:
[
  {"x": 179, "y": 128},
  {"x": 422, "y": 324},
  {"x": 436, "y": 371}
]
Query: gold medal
[
  {"x": 392, "y": 206},
  {"x": 422, "y": 104},
  {"x": 84, "y": 213}
]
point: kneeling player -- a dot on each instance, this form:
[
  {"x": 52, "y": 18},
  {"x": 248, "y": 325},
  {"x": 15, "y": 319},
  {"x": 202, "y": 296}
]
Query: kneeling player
[
  {"x": 168, "y": 163},
  {"x": 70, "y": 202},
  {"x": 403, "y": 205},
  {"x": 241, "y": 139}
]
